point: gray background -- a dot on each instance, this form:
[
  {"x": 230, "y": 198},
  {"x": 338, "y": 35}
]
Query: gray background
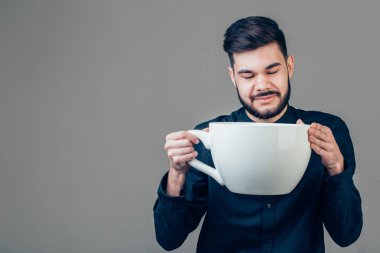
[{"x": 89, "y": 89}]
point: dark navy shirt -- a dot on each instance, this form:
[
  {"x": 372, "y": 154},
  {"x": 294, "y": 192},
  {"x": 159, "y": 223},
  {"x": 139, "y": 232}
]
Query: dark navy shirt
[{"x": 279, "y": 224}]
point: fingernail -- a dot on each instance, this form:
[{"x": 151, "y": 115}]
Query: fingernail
[
  {"x": 197, "y": 142},
  {"x": 196, "y": 153}
]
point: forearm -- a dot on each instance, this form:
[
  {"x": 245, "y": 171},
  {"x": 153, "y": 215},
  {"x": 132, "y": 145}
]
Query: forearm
[
  {"x": 169, "y": 225},
  {"x": 176, "y": 216},
  {"x": 342, "y": 212},
  {"x": 175, "y": 183}
]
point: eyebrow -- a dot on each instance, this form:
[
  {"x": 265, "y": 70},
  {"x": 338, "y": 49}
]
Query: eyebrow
[{"x": 242, "y": 71}]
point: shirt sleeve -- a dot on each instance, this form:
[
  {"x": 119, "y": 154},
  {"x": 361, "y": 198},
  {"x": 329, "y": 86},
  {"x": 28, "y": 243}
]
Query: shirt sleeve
[
  {"x": 341, "y": 208},
  {"x": 176, "y": 217}
]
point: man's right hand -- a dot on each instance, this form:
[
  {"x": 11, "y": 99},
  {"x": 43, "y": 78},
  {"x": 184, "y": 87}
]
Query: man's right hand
[{"x": 180, "y": 150}]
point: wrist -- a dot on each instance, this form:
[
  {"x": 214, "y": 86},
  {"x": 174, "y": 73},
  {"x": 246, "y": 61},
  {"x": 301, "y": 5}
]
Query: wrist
[
  {"x": 337, "y": 168},
  {"x": 176, "y": 181}
]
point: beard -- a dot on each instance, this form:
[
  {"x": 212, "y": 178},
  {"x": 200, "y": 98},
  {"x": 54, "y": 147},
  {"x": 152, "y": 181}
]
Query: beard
[{"x": 267, "y": 114}]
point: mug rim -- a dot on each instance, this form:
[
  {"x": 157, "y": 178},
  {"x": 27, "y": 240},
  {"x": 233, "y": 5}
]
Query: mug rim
[{"x": 258, "y": 124}]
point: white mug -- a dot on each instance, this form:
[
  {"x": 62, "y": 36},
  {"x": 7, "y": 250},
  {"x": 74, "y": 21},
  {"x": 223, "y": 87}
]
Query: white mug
[{"x": 255, "y": 158}]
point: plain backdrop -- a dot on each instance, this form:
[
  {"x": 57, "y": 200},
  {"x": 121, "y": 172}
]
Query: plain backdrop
[{"x": 89, "y": 90}]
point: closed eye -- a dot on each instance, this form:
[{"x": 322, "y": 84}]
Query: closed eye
[{"x": 273, "y": 72}]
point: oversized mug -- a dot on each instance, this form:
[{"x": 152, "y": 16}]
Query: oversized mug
[{"x": 255, "y": 158}]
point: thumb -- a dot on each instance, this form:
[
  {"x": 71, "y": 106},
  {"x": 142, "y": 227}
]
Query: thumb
[
  {"x": 206, "y": 129},
  {"x": 299, "y": 121}
]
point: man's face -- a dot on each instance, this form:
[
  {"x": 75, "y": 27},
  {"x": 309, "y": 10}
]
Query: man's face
[{"x": 261, "y": 78}]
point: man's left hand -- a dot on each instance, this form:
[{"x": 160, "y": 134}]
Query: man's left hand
[{"x": 323, "y": 143}]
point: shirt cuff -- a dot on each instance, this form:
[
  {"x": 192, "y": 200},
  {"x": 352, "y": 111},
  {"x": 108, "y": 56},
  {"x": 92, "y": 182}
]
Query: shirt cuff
[
  {"x": 342, "y": 180},
  {"x": 170, "y": 201}
]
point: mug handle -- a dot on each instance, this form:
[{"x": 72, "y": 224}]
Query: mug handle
[{"x": 196, "y": 164}]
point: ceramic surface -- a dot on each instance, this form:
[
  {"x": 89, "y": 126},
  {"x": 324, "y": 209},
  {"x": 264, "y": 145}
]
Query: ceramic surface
[{"x": 256, "y": 158}]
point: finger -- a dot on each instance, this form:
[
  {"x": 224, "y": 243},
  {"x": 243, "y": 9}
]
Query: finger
[
  {"x": 182, "y": 135},
  {"x": 322, "y": 128},
  {"x": 206, "y": 129},
  {"x": 192, "y": 138},
  {"x": 180, "y": 151},
  {"x": 174, "y": 144},
  {"x": 299, "y": 121},
  {"x": 317, "y": 149},
  {"x": 184, "y": 158},
  {"x": 318, "y": 134},
  {"x": 321, "y": 144}
]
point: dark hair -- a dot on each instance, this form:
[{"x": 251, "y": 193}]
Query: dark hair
[{"x": 250, "y": 33}]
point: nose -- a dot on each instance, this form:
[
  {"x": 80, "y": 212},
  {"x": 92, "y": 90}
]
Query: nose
[{"x": 262, "y": 82}]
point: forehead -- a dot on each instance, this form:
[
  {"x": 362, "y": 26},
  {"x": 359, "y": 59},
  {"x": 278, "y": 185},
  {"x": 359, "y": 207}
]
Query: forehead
[{"x": 259, "y": 58}]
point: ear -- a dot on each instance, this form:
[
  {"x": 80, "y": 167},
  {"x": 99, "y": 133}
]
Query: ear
[
  {"x": 232, "y": 75},
  {"x": 290, "y": 65}
]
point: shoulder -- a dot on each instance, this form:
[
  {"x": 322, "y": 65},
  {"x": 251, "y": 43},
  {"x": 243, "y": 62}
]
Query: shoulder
[
  {"x": 323, "y": 118},
  {"x": 232, "y": 117}
]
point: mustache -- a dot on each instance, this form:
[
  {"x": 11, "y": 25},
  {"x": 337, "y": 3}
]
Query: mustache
[{"x": 265, "y": 93}]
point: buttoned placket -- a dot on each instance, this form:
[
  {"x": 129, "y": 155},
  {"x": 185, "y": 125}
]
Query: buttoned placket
[{"x": 268, "y": 208}]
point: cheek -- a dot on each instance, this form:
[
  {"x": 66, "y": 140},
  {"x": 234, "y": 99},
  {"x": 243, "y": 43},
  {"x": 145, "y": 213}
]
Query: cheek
[
  {"x": 280, "y": 82},
  {"x": 245, "y": 90}
]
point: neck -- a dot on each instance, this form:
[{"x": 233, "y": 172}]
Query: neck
[{"x": 270, "y": 120}]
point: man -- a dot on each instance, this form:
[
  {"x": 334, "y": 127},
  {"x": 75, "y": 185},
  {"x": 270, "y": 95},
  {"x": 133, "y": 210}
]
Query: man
[{"x": 260, "y": 71}]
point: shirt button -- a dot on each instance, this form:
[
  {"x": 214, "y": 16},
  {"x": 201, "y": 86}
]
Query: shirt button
[{"x": 269, "y": 205}]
